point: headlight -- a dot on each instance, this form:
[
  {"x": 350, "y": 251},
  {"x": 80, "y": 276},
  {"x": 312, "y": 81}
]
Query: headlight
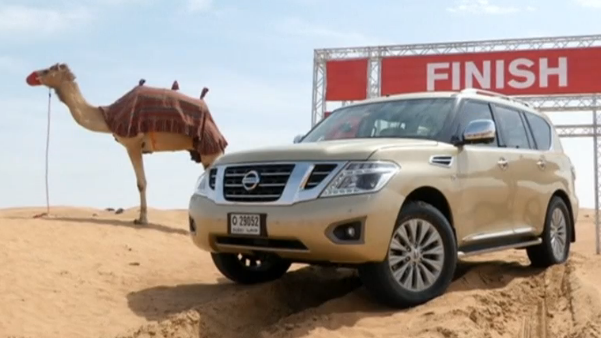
[
  {"x": 202, "y": 185},
  {"x": 361, "y": 178}
]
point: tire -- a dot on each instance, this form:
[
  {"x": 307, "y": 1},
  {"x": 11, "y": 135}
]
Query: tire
[
  {"x": 233, "y": 267},
  {"x": 378, "y": 277},
  {"x": 543, "y": 255}
]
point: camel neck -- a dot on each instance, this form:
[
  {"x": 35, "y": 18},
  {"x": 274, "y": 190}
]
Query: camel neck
[{"x": 83, "y": 113}]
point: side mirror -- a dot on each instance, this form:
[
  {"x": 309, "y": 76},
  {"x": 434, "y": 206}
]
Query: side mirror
[
  {"x": 298, "y": 138},
  {"x": 479, "y": 131}
]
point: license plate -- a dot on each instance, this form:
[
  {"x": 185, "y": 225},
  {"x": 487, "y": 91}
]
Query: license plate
[{"x": 246, "y": 224}]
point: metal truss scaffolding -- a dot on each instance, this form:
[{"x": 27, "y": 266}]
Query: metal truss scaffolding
[{"x": 590, "y": 102}]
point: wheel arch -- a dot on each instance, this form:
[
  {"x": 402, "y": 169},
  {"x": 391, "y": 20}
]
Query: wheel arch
[
  {"x": 564, "y": 197},
  {"x": 434, "y": 197}
]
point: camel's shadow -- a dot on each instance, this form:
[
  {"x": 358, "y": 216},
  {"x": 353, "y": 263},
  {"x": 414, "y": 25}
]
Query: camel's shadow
[{"x": 119, "y": 223}]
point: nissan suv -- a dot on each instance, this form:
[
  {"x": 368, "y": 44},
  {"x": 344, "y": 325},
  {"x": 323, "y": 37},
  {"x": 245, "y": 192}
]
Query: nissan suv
[{"x": 399, "y": 187}]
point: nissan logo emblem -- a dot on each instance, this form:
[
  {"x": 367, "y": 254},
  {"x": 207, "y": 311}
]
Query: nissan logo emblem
[{"x": 250, "y": 180}]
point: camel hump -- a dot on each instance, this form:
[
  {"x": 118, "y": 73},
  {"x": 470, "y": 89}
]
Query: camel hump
[
  {"x": 204, "y": 92},
  {"x": 175, "y": 85},
  {"x": 141, "y": 82}
]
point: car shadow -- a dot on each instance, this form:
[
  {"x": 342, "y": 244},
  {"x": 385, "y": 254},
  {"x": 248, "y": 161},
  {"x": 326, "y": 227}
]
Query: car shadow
[
  {"x": 260, "y": 308},
  {"x": 469, "y": 276},
  {"x": 119, "y": 223},
  {"x": 158, "y": 303},
  {"x": 299, "y": 289}
]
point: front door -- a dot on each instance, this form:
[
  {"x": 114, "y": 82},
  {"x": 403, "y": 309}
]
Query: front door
[
  {"x": 484, "y": 211},
  {"x": 522, "y": 157}
]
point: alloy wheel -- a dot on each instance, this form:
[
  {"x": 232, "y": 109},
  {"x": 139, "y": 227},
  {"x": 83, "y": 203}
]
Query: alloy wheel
[
  {"x": 416, "y": 255},
  {"x": 559, "y": 234}
]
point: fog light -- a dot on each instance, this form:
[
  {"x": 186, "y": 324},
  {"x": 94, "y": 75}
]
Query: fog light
[{"x": 348, "y": 232}]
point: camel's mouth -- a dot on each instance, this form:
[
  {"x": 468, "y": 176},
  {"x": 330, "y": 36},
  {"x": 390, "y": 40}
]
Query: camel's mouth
[{"x": 33, "y": 79}]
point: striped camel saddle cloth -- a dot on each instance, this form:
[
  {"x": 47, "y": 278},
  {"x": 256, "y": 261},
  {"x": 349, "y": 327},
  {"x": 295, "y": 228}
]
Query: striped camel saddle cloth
[{"x": 146, "y": 109}]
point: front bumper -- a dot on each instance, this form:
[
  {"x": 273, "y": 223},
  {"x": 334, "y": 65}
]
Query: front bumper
[{"x": 303, "y": 231}]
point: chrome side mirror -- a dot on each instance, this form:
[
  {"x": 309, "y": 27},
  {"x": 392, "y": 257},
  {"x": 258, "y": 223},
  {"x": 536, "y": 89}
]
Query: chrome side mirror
[
  {"x": 298, "y": 138},
  {"x": 479, "y": 131}
]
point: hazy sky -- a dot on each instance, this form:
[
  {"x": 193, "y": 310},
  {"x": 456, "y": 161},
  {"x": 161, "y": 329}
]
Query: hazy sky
[{"x": 255, "y": 56}]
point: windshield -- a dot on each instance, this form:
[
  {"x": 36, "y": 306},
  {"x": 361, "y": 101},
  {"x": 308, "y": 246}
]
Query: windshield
[{"x": 411, "y": 118}]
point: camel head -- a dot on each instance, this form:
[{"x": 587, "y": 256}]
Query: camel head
[{"x": 51, "y": 77}]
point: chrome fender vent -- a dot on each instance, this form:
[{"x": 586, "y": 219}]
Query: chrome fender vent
[{"x": 442, "y": 160}]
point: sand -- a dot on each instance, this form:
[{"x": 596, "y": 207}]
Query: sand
[{"x": 93, "y": 273}]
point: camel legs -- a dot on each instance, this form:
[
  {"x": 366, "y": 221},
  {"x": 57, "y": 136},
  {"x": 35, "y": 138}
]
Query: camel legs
[
  {"x": 134, "y": 147},
  {"x": 135, "y": 155}
]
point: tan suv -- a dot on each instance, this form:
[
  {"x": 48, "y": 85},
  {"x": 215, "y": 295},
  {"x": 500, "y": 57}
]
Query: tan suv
[{"x": 399, "y": 187}]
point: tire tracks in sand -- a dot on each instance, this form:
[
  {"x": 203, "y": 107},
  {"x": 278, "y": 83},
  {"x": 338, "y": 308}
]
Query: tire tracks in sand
[
  {"x": 567, "y": 306},
  {"x": 536, "y": 323}
]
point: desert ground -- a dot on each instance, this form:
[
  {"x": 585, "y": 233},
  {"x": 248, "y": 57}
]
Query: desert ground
[{"x": 92, "y": 273}]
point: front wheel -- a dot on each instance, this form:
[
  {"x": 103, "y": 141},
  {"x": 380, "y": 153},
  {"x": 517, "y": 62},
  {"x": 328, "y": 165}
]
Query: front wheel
[
  {"x": 248, "y": 269},
  {"x": 421, "y": 259}
]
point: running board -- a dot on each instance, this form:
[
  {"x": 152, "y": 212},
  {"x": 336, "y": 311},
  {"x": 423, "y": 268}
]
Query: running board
[{"x": 537, "y": 241}]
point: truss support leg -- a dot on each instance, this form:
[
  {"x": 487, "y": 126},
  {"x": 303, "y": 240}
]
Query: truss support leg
[
  {"x": 319, "y": 86},
  {"x": 597, "y": 149}
]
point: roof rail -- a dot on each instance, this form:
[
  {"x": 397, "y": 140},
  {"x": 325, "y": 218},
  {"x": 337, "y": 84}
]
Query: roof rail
[{"x": 495, "y": 94}]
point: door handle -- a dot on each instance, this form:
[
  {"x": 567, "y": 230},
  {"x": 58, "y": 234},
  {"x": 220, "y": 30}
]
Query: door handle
[
  {"x": 502, "y": 162},
  {"x": 541, "y": 164}
]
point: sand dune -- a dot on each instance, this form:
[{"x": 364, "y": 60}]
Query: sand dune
[{"x": 92, "y": 273}]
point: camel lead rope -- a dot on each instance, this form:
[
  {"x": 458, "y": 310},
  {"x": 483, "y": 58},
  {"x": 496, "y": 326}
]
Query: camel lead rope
[
  {"x": 48, "y": 153},
  {"x": 47, "y": 156}
]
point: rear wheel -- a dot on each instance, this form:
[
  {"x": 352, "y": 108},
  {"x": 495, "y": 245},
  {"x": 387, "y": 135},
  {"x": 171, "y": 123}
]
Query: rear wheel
[
  {"x": 555, "y": 247},
  {"x": 421, "y": 259},
  {"x": 250, "y": 269}
]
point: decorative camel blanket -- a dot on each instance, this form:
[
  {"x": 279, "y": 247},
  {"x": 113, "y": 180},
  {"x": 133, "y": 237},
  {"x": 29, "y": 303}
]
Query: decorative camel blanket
[{"x": 148, "y": 109}]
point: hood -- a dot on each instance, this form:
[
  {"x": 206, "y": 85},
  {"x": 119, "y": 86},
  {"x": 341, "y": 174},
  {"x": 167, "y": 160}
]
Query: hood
[{"x": 335, "y": 150}]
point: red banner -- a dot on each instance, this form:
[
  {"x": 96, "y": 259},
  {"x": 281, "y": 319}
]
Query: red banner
[
  {"x": 533, "y": 72},
  {"x": 346, "y": 80}
]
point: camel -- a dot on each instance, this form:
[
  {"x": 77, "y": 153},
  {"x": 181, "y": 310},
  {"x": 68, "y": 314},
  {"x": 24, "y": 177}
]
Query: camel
[{"x": 144, "y": 120}]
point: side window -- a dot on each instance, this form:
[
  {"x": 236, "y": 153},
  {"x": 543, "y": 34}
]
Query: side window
[
  {"x": 512, "y": 127},
  {"x": 475, "y": 110},
  {"x": 540, "y": 130}
]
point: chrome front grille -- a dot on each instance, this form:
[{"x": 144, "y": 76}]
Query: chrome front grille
[
  {"x": 269, "y": 183},
  {"x": 272, "y": 179}
]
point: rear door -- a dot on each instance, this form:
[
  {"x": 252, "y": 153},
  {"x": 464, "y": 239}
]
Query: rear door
[
  {"x": 485, "y": 184},
  {"x": 548, "y": 169},
  {"x": 521, "y": 156}
]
